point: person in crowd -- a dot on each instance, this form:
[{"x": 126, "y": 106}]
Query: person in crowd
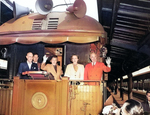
[
  {"x": 54, "y": 70},
  {"x": 35, "y": 60},
  {"x": 146, "y": 103},
  {"x": 27, "y": 66},
  {"x": 74, "y": 70},
  {"x": 130, "y": 107},
  {"x": 94, "y": 70}
]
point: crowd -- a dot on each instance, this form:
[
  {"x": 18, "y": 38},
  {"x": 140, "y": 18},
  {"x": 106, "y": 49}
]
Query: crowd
[{"x": 130, "y": 107}]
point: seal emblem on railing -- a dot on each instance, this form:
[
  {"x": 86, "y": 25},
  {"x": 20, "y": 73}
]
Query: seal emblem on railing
[{"x": 39, "y": 100}]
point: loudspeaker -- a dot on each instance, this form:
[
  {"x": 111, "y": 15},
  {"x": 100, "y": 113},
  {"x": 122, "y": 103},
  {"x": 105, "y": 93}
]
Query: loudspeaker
[
  {"x": 44, "y": 6},
  {"x": 78, "y": 8},
  {"x": 19, "y": 11}
]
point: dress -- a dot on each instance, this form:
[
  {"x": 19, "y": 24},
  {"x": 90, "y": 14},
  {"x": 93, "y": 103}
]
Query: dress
[
  {"x": 75, "y": 75},
  {"x": 23, "y": 67},
  {"x": 146, "y": 106},
  {"x": 95, "y": 72},
  {"x": 50, "y": 68}
]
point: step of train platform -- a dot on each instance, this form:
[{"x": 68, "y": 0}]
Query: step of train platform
[{"x": 115, "y": 98}]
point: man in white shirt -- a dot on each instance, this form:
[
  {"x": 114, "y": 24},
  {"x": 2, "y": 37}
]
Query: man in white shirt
[{"x": 27, "y": 66}]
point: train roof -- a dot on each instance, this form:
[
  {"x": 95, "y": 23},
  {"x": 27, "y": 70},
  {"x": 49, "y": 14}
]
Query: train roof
[{"x": 56, "y": 27}]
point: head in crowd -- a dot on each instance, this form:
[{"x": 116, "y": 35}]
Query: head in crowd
[
  {"x": 53, "y": 60},
  {"x": 35, "y": 58},
  {"x": 148, "y": 95},
  {"x": 29, "y": 57},
  {"x": 93, "y": 57},
  {"x": 74, "y": 59},
  {"x": 131, "y": 107}
]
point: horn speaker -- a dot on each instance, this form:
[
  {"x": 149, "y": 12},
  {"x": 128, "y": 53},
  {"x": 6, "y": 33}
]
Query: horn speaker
[
  {"x": 78, "y": 8},
  {"x": 44, "y": 6},
  {"x": 19, "y": 11}
]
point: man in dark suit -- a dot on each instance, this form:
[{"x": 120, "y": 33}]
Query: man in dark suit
[
  {"x": 146, "y": 104},
  {"x": 35, "y": 60},
  {"x": 27, "y": 66}
]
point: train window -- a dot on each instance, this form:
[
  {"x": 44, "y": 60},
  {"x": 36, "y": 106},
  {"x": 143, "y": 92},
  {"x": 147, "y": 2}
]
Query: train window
[
  {"x": 49, "y": 51},
  {"x": 3, "y": 64}
]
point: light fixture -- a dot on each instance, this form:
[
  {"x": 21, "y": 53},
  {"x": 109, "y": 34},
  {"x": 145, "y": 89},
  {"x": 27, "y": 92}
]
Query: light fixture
[
  {"x": 142, "y": 71},
  {"x": 125, "y": 77}
]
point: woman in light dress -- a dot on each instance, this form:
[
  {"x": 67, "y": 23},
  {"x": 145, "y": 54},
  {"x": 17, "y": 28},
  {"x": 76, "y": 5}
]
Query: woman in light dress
[{"x": 74, "y": 70}]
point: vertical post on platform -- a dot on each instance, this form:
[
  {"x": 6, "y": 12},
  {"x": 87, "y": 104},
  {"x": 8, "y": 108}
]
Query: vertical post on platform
[
  {"x": 130, "y": 86},
  {"x": 121, "y": 89},
  {"x": 142, "y": 84},
  {"x": 105, "y": 78},
  {"x": 104, "y": 91},
  {"x": 137, "y": 85},
  {"x": 116, "y": 87}
]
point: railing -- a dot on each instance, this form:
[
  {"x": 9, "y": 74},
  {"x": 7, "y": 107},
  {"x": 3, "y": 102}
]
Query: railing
[
  {"x": 85, "y": 98},
  {"x": 5, "y": 98}
]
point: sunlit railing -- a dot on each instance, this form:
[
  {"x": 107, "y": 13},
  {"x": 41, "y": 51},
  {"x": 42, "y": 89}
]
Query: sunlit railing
[{"x": 85, "y": 98}]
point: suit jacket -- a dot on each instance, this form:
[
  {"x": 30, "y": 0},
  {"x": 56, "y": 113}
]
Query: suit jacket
[
  {"x": 95, "y": 72},
  {"x": 50, "y": 68},
  {"x": 75, "y": 75},
  {"x": 146, "y": 106},
  {"x": 23, "y": 67}
]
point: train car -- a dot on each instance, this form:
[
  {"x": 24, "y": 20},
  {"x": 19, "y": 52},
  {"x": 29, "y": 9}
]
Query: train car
[
  {"x": 140, "y": 83},
  {"x": 125, "y": 84},
  {"x": 57, "y": 33},
  {"x": 135, "y": 85},
  {"x": 146, "y": 85}
]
